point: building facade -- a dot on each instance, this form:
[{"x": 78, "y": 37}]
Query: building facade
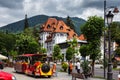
[{"x": 54, "y": 32}]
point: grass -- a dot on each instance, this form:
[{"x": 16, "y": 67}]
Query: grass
[{"x": 116, "y": 69}]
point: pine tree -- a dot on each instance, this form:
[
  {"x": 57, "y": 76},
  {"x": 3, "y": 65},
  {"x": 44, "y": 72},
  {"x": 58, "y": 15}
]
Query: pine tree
[
  {"x": 26, "y": 25},
  {"x": 70, "y": 23}
]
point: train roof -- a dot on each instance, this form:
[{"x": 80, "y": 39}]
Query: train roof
[{"x": 28, "y": 55}]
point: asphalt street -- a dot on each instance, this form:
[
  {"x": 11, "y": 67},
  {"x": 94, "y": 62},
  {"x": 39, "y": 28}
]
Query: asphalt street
[{"x": 60, "y": 76}]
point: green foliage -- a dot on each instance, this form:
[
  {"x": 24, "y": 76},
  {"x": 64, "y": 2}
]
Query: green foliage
[
  {"x": 115, "y": 35},
  {"x": 56, "y": 52},
  {"x": 64, "y": 66},
  {"x": 72, "y": 49},
  {"x": 7, "y": 41},
  {"x": 105, "y": 62},
  {"x": 26, "y": 25},
  {"x": 18, "y": 27},
  {"x": 70, "y": 53},
  {"x": 85, "y": 66},
  {"x": 70, "y": 23},
  {"x": 73, "y": 43},
  {"x": 26, "y": 43},
  {"x": 115, "y": 32},
  {"x": 13, "y": 53},
  {"x": 84, "y": 50},
  {"x": 92, "y": 30},
  {"x": 42, "y": 50},
  {"x": 117, "y": 51}
]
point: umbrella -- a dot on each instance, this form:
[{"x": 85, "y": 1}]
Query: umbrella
[{"x": 3, "y": 57}]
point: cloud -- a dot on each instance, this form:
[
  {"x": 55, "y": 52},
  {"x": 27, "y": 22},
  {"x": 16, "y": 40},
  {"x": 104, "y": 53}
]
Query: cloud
[
  {"x": 11, "y": 4},
  {"x": 14, "y": 10}
]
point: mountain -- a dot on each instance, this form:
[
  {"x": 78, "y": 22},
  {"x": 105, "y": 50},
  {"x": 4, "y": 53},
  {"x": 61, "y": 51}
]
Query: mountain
[{"x": 38, "y": 20}]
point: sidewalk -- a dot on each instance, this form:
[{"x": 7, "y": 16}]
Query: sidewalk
[
  {"x": 65, "y": 76},
  {"x": 91, "y": 79}
]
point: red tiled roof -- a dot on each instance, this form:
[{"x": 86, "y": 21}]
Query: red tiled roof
[
  {"x": 81, "y": 37},
  {"x": 61, "y": 27},
  {"x": 58, "y": 26},
  {"x": 49, "y": 25},
  {"x": 117, "y": 58}
]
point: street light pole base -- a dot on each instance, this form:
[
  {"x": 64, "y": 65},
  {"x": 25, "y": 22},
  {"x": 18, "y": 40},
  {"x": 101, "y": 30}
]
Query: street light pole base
[{"x": 109, "y": 76}]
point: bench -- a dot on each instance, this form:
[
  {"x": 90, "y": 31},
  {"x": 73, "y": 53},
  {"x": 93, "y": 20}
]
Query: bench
[{"x": 77, "y": 75}]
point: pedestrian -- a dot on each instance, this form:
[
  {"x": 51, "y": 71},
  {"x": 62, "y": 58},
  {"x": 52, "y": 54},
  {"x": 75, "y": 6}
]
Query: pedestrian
[
  {"x": 78, "y": 66},
  {"x": 70, "y": 68},
  {"x": 54, "y": 69}
]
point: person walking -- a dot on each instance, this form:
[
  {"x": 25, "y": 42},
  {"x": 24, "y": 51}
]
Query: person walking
[
  {"x": 70, "y": 68},
  {"x": 78, "y": 66},
  {"x": 54, "y": 69}
]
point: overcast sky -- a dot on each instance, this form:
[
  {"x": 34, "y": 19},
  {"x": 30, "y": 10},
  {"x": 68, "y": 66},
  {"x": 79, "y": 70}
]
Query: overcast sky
[{"x": 15, "y": 10}]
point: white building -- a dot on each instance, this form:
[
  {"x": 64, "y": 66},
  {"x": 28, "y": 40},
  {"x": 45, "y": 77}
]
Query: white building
[{"x": 54, "y": 32}]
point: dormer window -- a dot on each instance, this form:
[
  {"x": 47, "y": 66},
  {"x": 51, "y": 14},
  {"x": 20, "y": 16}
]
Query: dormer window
[
  {"x": 67, "y": 34},
  {"x": 74, "y": 35},
  {"x": 61, "y": 27},
  {"x": 48, "y": 26}
]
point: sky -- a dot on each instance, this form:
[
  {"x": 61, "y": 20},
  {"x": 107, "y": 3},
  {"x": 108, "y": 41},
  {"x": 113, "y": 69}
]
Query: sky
[{"x": 15, "y": 10}]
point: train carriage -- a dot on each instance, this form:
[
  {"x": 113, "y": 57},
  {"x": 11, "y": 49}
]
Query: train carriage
[{"x": 33, "y": 64}]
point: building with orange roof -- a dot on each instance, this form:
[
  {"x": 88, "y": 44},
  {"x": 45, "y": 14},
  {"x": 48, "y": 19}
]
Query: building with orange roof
[{"x": 54, "y": 32}]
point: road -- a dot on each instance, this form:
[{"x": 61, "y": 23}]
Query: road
[
  {"x": 61, "y": 75},
  {"x": 99, "y": 72}
]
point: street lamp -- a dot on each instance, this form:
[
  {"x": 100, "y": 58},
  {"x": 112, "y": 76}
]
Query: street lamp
[
  {"x": 109, "y": 17},
  {"x": 109, "y": 20}
]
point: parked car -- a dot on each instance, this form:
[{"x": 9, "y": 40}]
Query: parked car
[{"x": 5, "y": 75}]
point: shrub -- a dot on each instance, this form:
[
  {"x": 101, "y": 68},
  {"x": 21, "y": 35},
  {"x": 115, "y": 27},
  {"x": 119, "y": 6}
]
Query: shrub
[
  {"x": 64, "y": 66},
  {"x": 85, "y": 67}
]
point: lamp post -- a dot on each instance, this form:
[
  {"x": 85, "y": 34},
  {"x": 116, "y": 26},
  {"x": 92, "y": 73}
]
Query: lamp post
[
  {"x": 109, "y": 20},
  {"x": 109, "y": 17},
  {"x": 104, "y": 37}
]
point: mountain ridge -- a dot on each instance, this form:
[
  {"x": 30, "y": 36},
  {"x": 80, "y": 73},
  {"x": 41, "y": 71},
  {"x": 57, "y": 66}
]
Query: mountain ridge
[{"x": 18, "y": 26}]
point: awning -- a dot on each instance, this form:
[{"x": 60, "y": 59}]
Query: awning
[{"x": 3, "y": 57}]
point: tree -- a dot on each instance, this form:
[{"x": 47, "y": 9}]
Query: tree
[
  {"x": 115, "y": 35},
  {"x": 26, "y": 25},
  {"x": 69, "y": 23},
  {"x": 70, "y": 53},
  {"x": 7, "y": 42},
  {"x": 26, "y": 43},
  {"x": 84, "y": 50},
  {"x": 56, "y": 52},
  {"x": 92, "y": 30}
]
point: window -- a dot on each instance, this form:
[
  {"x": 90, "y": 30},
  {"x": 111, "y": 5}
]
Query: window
[
  {"x": 61, "y": 27},
  {"x": 67, "y": 34},
  {"x": 61, "y": 34},
  {"x": 74, "y": 35},
  {"x": 48, "y": 26}
]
